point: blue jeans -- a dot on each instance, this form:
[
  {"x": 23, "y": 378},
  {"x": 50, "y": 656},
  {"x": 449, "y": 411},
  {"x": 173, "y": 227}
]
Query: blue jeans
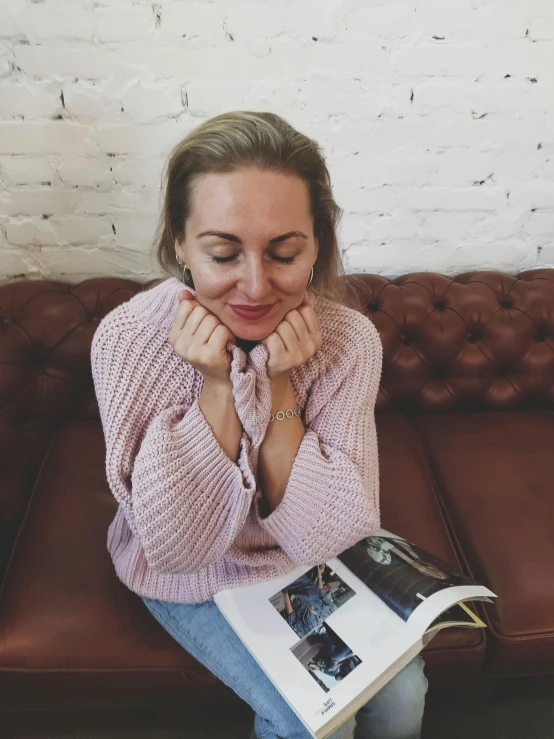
[{"x": 396, "y": 712}]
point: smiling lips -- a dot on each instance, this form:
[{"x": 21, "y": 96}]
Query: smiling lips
[{"x": 252, "y": 313}]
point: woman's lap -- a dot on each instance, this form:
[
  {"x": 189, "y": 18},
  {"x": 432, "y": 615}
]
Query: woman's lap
[{"x": 394, "y": 713}]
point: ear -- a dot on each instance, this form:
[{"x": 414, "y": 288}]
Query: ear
[{"x": 178, "y": 244}]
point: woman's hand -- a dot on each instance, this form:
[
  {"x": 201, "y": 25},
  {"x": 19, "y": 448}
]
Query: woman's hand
[
  {"x": 201, "y": 339},
  {"x": 295, "y": 340}
]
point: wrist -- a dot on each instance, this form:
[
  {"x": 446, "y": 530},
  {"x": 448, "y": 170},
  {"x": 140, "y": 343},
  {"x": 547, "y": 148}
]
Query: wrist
[
  {"x": 218, "y": 388},
  {"x": 282, "y": 393},
  {"x": 280, "y": 381}
]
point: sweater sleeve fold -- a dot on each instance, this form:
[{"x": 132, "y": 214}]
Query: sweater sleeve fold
[
  {"x": 332, "y": 495},
  {"x": 187, "y": 500},
  {"x": 190, "y": 500}
]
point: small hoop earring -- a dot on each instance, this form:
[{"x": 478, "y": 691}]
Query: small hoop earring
[{"x": 311, "y": 278}]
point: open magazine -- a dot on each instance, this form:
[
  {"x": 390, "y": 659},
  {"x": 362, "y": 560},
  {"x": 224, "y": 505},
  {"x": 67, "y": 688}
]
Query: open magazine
[{"x": 329, "y": 637}]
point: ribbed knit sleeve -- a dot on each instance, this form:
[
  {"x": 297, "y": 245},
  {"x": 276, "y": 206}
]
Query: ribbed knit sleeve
[
  {"x": 332, "y": 496},
  {"x": 184, "y": 498}
]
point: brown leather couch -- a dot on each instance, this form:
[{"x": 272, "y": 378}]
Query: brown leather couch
[{"x": 466, "y": 443}]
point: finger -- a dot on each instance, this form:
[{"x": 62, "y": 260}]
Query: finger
[
  {"x": 181, "y": 314},
  {"x": 221, "y": 337},
  {"x": 186, "y": 295},
  {"x": 195, "y": 319},
  {"x": 310, "y": 319},
  {"x": 274, "y": 343},
  {"x": 288, "y": 336},
  {"x": 298, "y": 324},
  {"x": 206, "y": 328}
]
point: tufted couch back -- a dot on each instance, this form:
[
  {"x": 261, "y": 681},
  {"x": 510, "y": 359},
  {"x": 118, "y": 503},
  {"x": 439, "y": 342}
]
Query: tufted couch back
[{"x": 480, "y": 340}]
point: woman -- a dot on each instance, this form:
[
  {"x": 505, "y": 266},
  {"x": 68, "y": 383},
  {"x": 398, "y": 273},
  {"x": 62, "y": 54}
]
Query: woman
[
  {"x": 307, "y": 604},
  {"x": 238, "y": 413}
]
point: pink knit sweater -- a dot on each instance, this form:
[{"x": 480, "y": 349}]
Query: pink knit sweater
[{"x": 189, "y": 521}]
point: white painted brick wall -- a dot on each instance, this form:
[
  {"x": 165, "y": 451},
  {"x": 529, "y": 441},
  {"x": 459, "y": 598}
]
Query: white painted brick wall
[{"x": 436, "y": 118}]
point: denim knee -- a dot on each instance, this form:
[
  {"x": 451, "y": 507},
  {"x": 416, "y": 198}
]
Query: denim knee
[{"x": 396, "y": 711}]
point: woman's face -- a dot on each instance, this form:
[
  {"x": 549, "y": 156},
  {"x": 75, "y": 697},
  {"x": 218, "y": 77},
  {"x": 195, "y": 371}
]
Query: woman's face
[{"x": 262, "y": 252}]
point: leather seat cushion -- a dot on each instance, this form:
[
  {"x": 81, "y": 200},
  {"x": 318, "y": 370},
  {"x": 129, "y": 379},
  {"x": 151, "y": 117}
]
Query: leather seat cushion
[
  {"x": 495, "y": 472},
  {"x": 409, "y": 508}
]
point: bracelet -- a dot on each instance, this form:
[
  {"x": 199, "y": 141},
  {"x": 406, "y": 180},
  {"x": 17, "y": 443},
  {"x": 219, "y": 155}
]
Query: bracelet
[{"x": 289, "y": 413}]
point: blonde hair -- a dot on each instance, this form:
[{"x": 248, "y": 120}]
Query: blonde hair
[{"x": 240, "y": 139}]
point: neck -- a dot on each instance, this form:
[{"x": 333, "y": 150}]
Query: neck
[{"x": 246, "y": 344}]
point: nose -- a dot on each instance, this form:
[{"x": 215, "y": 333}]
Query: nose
[{"x": 254, "y": 281}]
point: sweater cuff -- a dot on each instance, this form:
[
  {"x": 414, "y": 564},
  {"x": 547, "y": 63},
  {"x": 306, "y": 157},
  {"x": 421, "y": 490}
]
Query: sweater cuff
[
  {"x": 205, "y": 453},
  {"x": 307, "y": 497}
]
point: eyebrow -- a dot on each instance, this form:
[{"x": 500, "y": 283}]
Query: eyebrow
[{"x": 236, "y": 240}]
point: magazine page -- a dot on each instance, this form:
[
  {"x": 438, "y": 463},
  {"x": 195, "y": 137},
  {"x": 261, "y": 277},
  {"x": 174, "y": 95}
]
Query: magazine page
[
  {"x": 320, "y": 635},
  {"x": 413, "y": 583}
]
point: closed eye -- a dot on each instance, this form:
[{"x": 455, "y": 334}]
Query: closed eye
[{"x": 224, "y": 260}]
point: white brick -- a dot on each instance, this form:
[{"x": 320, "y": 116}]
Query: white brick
[
  {"x": 155, "y": 139},
  {"x": 210, "y": 100},
  {"x": 518, "y": 166},
  {"x": 255, "y": 20},
  {"x": 353, "y": 229},
  {"x": 497, "y": 20},
  {"x": 79, "y": 62},
  {"x": 55, "y": 20},
  {"x": 503, "y": 226},
  {"x": 451, "y": 227},
  {"x": 86, "y": 171},
  {"x": 82, "y": 263},
  {"x": 395, "y": 226},
  {"x": 272, "y": 95},
  {"x": 540, "y": 224},
  {"x": 456, "y": 170},
  {"x": 14, "y": 264},
  {"x": 87, "y": 102},
  {"x": 24, "y": 170},
  {"x": 470, "y": 60},
  {"x": 197, "y": 19},
  {"x": 135, "y": 231},
  {"x": 139, "y": 172},
  {"x": 440, "y": 60},
  {"x": 535, "y": 194},
  {"x": 228, "y": 61},
  {"x": 58, "y": 137},
  {"x": 541, "y": 27},
  {"x": 429, "y": 19},
  {"x": 30, "y": 232},
  {"x": 5, "y": 63},
  {"x": 432, "y": 95},
  {"x": 374, "y": 171},
  {"x": 102, "y": 203},
  {"x": 146, "y": 104},
  {"x": 487, "y": 133},
  {"x": 546, "y": 258},
  {"x": 37, "y": 202},
  {"x": 11, "y": 12},
  {"x": 27, "y": 100},
  {"x": 380, "y": 200},
  {"x": 329, "y": 21},
  {"x": 81, "y": 231},
  {"x": 435, "y": 198},
  {"x": 124, "y": 23}
]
